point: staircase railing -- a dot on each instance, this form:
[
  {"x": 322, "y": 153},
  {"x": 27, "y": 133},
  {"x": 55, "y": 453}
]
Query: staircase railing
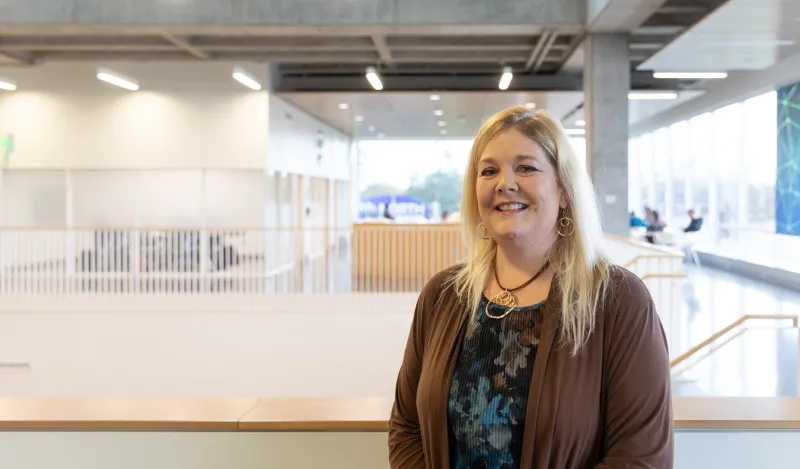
[{"x": 725, "y": 330}]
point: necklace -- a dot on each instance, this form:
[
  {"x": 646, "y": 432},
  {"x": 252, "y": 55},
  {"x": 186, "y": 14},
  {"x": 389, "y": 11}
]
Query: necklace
[{"x": 506, "y": 296}]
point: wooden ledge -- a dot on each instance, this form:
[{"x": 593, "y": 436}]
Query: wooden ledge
[
  {"x": 737, "y": 413},
  {"x": 318, "y": 414},
  {"x": 367, "y": 414},
  {"x": 43, "y": 413}
]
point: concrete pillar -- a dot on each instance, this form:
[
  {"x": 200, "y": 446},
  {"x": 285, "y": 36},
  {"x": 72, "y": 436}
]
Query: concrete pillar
[{"x": 606, "y": 81}]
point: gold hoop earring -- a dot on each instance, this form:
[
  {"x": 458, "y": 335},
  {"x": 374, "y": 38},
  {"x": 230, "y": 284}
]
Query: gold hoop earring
[
  {"x": 483, "y": 233},
  {"x": 566, "y": 226}
]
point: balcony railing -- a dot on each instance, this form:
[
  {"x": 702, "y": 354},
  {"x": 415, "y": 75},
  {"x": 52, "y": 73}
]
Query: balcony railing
[{"x": 362, "y": 258}]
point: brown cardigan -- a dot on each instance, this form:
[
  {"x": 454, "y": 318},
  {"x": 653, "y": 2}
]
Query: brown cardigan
[{"x": 608, "y": 407}]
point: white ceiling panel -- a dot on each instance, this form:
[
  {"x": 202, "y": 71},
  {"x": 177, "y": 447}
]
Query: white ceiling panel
[
  {"x": 740, "y": 35},
  {"x": 411, "y": 115}
]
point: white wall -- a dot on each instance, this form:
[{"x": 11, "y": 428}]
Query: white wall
[
  {"x": 301, "y": 144},
  {"x": 281, "y": 345},
  {"x": 186, "y": 115}
]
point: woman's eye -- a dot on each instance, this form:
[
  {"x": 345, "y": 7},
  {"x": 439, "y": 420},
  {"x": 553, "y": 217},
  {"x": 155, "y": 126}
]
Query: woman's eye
[
  {"x": 527, "y": 169},
  {"x": 488, "y": 172}
]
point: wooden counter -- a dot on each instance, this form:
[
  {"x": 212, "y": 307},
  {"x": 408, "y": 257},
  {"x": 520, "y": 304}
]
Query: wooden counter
[
  {"x": 340, "y": 414},
  {"x": 753, "y": 413},
  {"x": 42, "y": 413},
  {"x": 326, "y": 414}
]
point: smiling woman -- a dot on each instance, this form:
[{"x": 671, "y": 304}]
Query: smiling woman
[{"x": 537, "y": 352}]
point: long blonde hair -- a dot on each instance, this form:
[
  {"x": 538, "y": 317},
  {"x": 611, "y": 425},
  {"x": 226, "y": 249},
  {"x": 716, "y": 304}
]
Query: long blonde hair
[{"x": 581, "y": 268}]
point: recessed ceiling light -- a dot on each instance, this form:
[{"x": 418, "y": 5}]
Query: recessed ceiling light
[
  {"x": 438, "y": 112},
  {"x": 242, "y": 76},
  {"x": 575, "y": 131},
  {"x": 530, "y": 105},
  {"x": 344, "y": 106},
  {"x": 441, "y": 123},
  {"x": 116, "y": 79},
  {"x": 359, "y": 118},
  {"x": 435, "y": 97},
  {"x": 580, "y": 123},
  {"x": 690, "y": 75},
  {"x": 7, "y": 85},
  {"x": 646, "y": 95},
  {"x": 371, "y": 128},
  {"x": 749, "y": 43},
  {"x": 374, "y": 79},
  {"x": 505, "y": 78}
]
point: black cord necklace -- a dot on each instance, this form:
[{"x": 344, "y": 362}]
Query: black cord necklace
[{"x": 506, "y": 297}]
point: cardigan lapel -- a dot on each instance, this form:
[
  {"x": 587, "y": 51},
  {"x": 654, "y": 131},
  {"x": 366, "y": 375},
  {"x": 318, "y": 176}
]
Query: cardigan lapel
[
  {"x": 459, "y": 314},
  {"x": 550, "y": 322}
]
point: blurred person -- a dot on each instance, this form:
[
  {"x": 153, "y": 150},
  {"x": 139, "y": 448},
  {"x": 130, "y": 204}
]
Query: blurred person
[
  {"x": 695, "y": 223},
  {"x": 656, "y": 225},
  {"x": 538, "y": 352},
  {"x": 636, "y": 222}
]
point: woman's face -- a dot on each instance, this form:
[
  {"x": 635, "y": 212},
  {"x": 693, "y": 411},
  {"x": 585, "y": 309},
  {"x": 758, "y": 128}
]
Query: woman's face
[{"x": 518, "y": 193}]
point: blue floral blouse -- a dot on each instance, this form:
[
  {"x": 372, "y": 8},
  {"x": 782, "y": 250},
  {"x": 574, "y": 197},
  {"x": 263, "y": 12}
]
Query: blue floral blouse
[{"x": 489, "y": 390}]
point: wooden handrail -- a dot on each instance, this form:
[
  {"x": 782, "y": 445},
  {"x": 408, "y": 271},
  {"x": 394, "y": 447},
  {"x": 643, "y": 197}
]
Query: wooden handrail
[
  {"x": 657, "y": 275},
  {"x": 643, "y": 245},
  {"x": 686, "y": 355},
  {"x": 636, "y": 259}
]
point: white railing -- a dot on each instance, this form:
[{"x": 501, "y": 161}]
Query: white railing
[{"x": 172, "y": 261}]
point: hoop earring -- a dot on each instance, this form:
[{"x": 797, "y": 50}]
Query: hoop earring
[
  {"x": 566, "y": 226},
  {"x": 483, "y": 233}
]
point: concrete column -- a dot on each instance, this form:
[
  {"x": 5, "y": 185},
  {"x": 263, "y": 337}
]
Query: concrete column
[{"x": 606, "y": 81}]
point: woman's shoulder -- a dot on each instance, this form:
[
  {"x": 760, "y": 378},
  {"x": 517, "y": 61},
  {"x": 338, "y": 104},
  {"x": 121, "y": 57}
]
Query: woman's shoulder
[
  {"x": 441, "y": 283},
  {"x": 626, "y": 286},
  {"x": 627, "y": 298}
]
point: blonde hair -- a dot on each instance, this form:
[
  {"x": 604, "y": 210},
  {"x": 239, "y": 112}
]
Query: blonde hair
[{"x": 581, "y": 268}]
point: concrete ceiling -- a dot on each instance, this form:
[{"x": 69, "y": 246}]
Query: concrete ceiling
[{"x": 740, "y": 35}]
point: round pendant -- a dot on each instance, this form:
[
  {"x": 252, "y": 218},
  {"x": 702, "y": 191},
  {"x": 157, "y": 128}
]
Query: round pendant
[{"x": 504, "y": 298}]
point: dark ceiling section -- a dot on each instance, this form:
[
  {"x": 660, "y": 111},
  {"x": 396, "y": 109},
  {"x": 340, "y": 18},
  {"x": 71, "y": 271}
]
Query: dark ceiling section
[{"x": 418, "y": 63}]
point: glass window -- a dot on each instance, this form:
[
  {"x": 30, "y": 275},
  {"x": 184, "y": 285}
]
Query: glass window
[
  {"x": 700, "y": 157},
  {"x": 723, "y": 165},
  {"x": 644, "y": 155},
  {"x": 679, "y": 170},
  {"x": 728, "y": 156},
  {"x": 760, "y": 161},
  {"x": 661, "y": 152}
]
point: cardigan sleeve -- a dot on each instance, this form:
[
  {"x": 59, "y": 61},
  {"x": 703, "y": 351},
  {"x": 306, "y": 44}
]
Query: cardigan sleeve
[
  {"x": 638, "y": 423},
  {"x": 405, "y": 440}
]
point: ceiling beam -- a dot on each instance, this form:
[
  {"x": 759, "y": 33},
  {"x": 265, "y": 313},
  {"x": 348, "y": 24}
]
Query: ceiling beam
[
  {"x": 545, "y": 50},
  {"x": 383, "y": 49},
  {"x": 487, "y": 82},
  {"x": 185, "y": 45},
  {"x": 25, "y": 58},
  {"x": 682, "y": 9},
  {"x": 537, "y": 49}
]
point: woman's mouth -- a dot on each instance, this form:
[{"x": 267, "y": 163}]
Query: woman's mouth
[{"x": 510, "y": 208}]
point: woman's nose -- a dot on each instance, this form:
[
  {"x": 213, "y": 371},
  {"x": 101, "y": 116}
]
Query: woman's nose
[{"x": 507, "y": 182}]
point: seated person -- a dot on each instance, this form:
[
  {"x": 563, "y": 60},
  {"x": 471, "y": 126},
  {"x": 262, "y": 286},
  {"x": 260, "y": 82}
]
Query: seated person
[
  {"x": 695, "y": 224},
  {"x": 655, "y": 226},
  {"x": 637, "y": 222}
]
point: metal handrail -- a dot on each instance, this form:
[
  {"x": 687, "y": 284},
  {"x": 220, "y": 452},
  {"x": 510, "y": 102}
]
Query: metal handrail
[{"x": 689, "y": 353}]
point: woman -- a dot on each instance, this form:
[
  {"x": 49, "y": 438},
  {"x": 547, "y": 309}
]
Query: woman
[{"x": 536, "y": 353}]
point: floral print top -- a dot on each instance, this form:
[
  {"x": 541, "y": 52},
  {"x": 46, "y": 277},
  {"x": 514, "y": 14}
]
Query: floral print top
[{"x": 489, "y": 390}]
